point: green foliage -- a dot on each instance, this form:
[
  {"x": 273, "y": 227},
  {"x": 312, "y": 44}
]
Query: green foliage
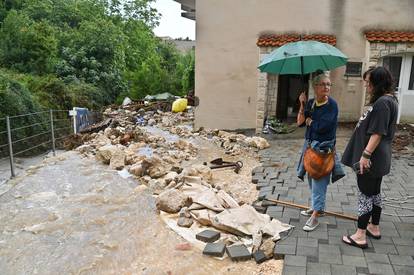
[
  {"x": 15, "y": 99},
  {"x": 86, "y": 53},
  {"x": 95, "y": 54},
  {"x": 27, "y": 46},
  {"x": 187, "y": 68},
  {"x": 56, "y": 94}
]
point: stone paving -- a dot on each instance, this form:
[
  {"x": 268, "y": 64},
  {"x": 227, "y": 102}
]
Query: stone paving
[{"x": 322, "y": 251}]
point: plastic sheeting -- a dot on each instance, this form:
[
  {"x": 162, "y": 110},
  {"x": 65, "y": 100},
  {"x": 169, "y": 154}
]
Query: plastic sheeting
[{"x": 218, "y": 210}]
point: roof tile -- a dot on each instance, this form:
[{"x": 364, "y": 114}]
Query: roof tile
[
  {"x": 389, "y": 36},
  {"x": 281, "y": 39}
]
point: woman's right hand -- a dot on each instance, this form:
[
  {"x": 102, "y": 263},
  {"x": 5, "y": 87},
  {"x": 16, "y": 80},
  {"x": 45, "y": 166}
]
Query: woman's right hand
[{"x": 302, "y": 98}]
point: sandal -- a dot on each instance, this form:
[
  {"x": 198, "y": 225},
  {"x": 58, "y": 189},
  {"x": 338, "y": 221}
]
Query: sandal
[
  {"x": 352, "y": 242},
  {"x": 377, "y": 237}
]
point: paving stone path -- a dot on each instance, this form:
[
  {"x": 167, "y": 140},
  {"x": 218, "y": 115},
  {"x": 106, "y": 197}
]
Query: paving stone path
[{"x": 322, "y": 251}]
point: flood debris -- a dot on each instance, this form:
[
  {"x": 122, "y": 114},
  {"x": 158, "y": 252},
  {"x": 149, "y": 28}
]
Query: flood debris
[
  {"x": 403, "y": 142},
  {"x": 208, "y": 236},
  {"x": 214, "y": 249},
  {"x": 220, "y": 163},
  {"x": 159, "y": 148},
  {"x": 238, "y": 253}
]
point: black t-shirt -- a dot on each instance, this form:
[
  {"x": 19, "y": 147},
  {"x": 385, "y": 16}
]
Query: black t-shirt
[{"x": 380, "y": 118}]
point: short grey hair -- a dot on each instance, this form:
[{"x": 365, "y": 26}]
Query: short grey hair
[{"x": 317, "y": 79}]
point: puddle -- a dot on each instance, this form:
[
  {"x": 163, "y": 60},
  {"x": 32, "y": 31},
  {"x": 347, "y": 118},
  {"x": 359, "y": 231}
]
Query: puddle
[{"x": 145, "y": 151}]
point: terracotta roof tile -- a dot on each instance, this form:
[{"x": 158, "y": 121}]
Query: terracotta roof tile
[
  {"x": 274, "y": 40},
  {"x": 389, "y": 36}
]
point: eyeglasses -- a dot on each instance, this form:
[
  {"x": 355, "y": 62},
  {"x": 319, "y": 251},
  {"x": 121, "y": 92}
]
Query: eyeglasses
[{"x": 325, "y": 85}]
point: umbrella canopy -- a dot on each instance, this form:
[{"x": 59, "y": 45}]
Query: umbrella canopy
[{"x": 303, "y": 57}]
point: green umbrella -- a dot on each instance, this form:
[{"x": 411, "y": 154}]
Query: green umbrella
[{"x": 303, "y": 57}]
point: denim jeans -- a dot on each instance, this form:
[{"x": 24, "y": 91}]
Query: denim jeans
[{"x": 318, "y": 189}]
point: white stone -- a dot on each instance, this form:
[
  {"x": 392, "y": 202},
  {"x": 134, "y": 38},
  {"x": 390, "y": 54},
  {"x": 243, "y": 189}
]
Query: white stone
[
  {"x": 136, "y": 170},
  {"x": 171, "y": 201},
  {"x": 104, "y": 153},
  {"x": 152, "y": 122},
  {"x": 268, "y": 247},
  {"x": 171, "y": 176},
  {"x": 117, "y": 159},
  {"x": 257, "y": 142}
]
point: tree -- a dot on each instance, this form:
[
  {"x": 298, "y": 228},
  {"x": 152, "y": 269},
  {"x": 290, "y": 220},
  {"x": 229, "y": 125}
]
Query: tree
[
  {"x": 26, "y": 45},
  {"x": 88, "y": 52}
]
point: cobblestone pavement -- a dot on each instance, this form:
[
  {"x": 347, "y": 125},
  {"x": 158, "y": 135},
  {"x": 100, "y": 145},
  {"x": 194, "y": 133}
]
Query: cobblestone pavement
[{"x": 322, "y": 251}]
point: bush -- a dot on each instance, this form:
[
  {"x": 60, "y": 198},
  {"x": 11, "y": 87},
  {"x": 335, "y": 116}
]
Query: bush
[{"x": 15, "y": 99}]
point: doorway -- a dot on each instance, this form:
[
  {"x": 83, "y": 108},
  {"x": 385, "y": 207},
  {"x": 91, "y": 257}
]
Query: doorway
[
  {"x": 289, "y": 89},
  {"x": 402, "y": 69}
]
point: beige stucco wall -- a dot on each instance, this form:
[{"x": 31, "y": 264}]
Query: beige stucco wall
[{"x": 227, "y": 56}]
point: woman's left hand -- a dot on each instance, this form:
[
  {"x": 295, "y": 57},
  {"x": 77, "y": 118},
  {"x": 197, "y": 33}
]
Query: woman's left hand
[
  {"x": 308, "y": 121},
  {"x": 364, "y": 164}
]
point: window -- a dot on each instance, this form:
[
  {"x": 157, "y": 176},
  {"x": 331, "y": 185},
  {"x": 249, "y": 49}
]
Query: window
[
  {"x": 353, "y": 69},
  {"x": 411, "y": 83}
]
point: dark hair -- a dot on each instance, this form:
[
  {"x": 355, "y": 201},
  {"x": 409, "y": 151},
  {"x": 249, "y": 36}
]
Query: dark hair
[
  {"x": 367, "y": 72},
  {"x": 381, "y": 80}
]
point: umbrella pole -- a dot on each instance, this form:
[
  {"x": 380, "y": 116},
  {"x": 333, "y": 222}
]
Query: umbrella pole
[{"x": 301, "y": 74}]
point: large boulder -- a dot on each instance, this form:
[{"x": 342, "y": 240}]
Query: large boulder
[
  {"x": 201, "y": 171},
  {"x": 156, "y": 186},
  {"x": 85, "y": 149},
  {"x": 268, "y": 247},
  {"x": 257, "y": 142},
  {"x": 185, "y": 222},
  {"x": 101, "y": 140},
  {"x": 136, "y": 170},
  {"x": 117, "y": 159},
  {"x": 172, "y": 200},
  {"x": 171, "y": 176},
  {"x": 154, "y": 167},
  {"x": 105, "y": 153}
]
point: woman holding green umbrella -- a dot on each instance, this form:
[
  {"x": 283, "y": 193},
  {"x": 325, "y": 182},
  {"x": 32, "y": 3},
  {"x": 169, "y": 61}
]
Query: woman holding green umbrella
[{"x": 320, "y": 115}]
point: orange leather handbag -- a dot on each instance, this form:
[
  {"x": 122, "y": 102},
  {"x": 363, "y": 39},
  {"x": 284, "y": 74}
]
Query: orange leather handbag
[{"x": 318, "y": 164}]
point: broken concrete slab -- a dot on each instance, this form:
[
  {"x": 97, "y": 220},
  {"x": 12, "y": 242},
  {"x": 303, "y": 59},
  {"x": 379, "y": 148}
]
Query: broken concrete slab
[
  {"x": 238, "y": 253},
  {"x": 259, "y": 256},
  {"x": 208, "y": 236},
  {"x": 214, "y": 249}
]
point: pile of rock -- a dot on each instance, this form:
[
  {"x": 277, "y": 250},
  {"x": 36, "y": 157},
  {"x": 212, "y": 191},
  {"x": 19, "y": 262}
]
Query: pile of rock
[
  {"x": 180, "y": 124},
  {"x": 134, "y": 143}
]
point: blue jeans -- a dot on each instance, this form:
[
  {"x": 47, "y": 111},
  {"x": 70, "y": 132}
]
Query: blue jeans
[{"x": 318, "y": 189}]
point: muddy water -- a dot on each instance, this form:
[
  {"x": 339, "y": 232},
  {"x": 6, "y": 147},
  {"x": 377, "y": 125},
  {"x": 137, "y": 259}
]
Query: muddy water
[{"x": 75, "y": 216}]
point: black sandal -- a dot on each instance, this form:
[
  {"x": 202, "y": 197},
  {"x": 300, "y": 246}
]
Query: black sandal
[
  {"x": 377, "y": 237},
  {"x": 354, "y": 243}
]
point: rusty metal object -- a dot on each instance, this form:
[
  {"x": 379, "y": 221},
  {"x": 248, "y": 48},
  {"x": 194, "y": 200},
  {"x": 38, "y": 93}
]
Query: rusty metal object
[{"x": 220, "y": 163}]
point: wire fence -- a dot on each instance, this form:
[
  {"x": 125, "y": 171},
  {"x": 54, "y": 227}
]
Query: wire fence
[
  {"x": 32, "y": 134},
  {"x": 36, "y": 133}
]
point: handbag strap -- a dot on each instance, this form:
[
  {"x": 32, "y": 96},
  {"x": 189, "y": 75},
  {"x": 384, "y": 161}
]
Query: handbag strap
[{"x": 310, "y": 112}]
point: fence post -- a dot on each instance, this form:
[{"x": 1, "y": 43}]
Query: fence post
[
  {"x": 9, "y": 137},
  {"x": 52, "y": 129}
]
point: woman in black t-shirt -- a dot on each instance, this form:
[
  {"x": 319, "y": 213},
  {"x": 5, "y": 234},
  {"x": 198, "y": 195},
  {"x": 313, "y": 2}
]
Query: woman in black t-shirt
[{"x": 369, "y": 153}]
